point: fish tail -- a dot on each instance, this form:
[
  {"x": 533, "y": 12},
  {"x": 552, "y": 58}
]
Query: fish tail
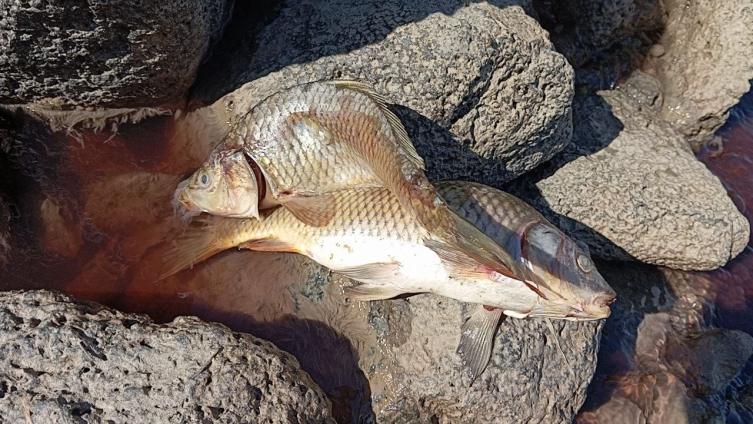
[{"x": 193, "y": 246}]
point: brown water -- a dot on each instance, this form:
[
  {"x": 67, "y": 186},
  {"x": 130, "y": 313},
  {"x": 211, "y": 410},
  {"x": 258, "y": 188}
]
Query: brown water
[{"x": 92, "y": 217}]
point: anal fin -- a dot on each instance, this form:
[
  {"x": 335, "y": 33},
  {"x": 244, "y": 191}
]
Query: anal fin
[
  {"x": 476, "y": 340},
  {"x": 316, "y": 211},
  {"x": 367, "y": 292}
]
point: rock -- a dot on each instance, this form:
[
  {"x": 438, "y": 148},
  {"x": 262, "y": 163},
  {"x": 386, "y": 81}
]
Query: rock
[
  {"x": 65, "y": 361},
  {"x": 481, "y": 90},
  {"x": 602, "y": 23},
  {"x": 527, "y": 380},
  {"x": 721, "y": 355},
  {"x": 705, "y": 68},
  {"x": 629, "y": 183},
  {"x": 101, "y": 53},
  {"x": 394, "y": 361},
  {"x": 60, "y": 230}
]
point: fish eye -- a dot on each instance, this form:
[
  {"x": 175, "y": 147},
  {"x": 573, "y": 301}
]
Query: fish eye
[
  {"x": 204, "y": 180},
  {"x": 585, "y": 263}
]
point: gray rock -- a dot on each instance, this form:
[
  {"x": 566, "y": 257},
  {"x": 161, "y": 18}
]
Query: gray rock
[
  {"x": 102, "y": 53},
  {"x": 630, "y": 187},
  {"x": 528, "y": 379},
  {"x": 705, "y": 68},
  {"x": 480, "y": 88},
  {"x": 63, "y": 361},
  {"x": 4, "y": 233}
]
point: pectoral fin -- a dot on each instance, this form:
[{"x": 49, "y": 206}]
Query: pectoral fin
[
  {"x": 476, "y": 340},
  {"x": 269, "y": 245},
  {"x": 366, "y": 292},
  {"x": 486, "y": 251},
  {"x": 457, "y": 263},
  {"x": 316, "y": 211},
  {"x": 194, "y": 246}
]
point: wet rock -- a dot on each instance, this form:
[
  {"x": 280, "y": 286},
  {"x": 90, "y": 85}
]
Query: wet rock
[
  {"x": 721, "y": 355},
  {"x": 630, "y": 187},
  {"x": 107, "y": 54},
  {"x": 705, "y": 69},
  {"x": 480, "y": 88},
  {"x": 60, "y": 232},
  {"x": 65, "y": 361}
]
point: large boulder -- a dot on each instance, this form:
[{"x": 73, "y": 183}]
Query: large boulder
[
  {"x": 63, "y": 361},
  {"x": 480, "y": 88},
  {"x": 630, "y": 187},
  {"x": 104, "y": 53},
  {"x": 707, "y": 63}
]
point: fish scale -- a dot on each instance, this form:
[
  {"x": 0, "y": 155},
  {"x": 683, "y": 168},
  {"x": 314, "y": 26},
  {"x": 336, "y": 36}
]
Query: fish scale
[{"x": 326, "y": 136}]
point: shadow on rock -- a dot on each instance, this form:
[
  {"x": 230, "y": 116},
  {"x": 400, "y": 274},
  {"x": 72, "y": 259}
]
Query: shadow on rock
[
  {"x": 337, "y": 27},
  {"x": 328, "y": 357}
]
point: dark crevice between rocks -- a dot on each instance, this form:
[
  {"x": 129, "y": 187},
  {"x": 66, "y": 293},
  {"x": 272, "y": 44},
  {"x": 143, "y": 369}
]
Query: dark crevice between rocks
[
  {"x": 237, "y": 40},
  {"x": 601, "y": 62}
]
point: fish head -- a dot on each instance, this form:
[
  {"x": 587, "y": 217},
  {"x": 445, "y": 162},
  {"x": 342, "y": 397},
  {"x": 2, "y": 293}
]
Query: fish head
[
  {"x": 224, "y": 185},
  {"x": 570, "y": 285}
]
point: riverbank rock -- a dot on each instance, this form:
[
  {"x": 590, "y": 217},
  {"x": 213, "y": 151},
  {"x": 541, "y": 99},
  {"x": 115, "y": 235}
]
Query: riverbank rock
[
  {"x": 480, "y": 88},
  {"x": 705, "y": 69},
  {"x": 64, "y": 361},
  {"x": 630, "y": 187},
  {"x": 104, "y": 54}
]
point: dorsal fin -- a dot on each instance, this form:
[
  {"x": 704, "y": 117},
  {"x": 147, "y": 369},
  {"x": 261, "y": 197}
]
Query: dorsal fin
[{"x": 401, "y": 135}]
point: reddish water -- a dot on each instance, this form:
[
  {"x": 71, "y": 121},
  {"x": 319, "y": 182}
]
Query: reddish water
[{"x": 92, "y": 217}]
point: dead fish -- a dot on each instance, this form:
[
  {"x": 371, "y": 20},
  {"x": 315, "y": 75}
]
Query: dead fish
[
  {"x": 552, "y": 262},
  {"x": 372, "y": 239},
  {"x": 321, "y": 137}
]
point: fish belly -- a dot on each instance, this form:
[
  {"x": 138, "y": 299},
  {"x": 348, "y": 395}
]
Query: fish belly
[{"x": 418, "y": 268}]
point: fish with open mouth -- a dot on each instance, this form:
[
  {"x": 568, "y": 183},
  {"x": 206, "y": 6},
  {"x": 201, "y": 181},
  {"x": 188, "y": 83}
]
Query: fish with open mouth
[
  {"x": 373, "y": 240},
  {"x": 318, "y": 138}
]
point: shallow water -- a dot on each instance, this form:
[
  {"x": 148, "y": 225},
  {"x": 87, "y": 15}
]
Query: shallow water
[{"x": 91, "y": 216}]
